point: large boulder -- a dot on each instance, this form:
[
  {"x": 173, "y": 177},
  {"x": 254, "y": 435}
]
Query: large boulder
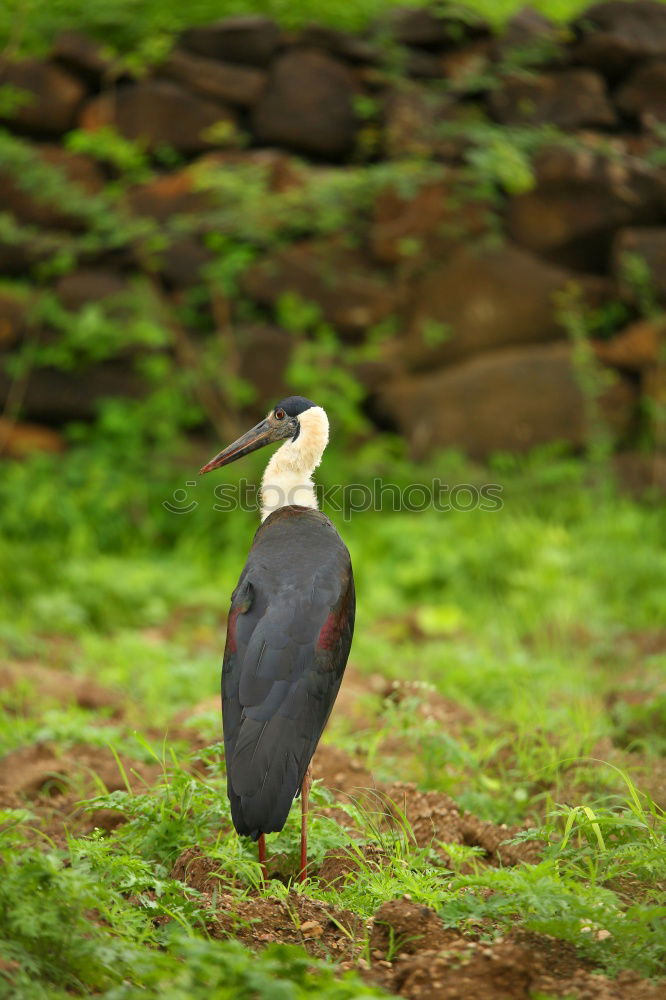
[
  {"x": 18, "y": 440},
  {"x": 412, "y": 119},
  {"x": 160, "y": 113},
  {"x": 640, "y": 347},
  {"x": 52, "y": 96},
  {"x": 166, "y": 195},
  {"x": 529, "y": 30},
  {"x": 617, "y": 35},
  {"x": 434, "y": 29},
  {"x": 183, "y": 261},
  {"x": 465, "y": 70},
  {"x": 344, "y": 45},
  {"x": 55, "y": 396},
  {"x": 643, "y": 95},
  {"x": 89, "y": 284},
  {"x": 580, "y": 199},
  {"x": 251, "y": 40},
  {"x": 13, "y": 308},
  {"x": 426, "y": 223},
  {"x": 648, "y": 244},
  {"x": 351, "y": 294},
  {"x": 480, "y": 299},
  {"x": 570, "y": 99},
  {"x": 263, "y": 353},
  {"x": 84, "y": 57},
  {"x": 510, "y": 400},
  {"x": 308, "y": 106},
  {"x": 221, "y": 81}
]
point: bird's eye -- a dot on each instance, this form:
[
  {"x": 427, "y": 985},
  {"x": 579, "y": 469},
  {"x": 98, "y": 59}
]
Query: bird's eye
[{"x": 279, "y": 413}]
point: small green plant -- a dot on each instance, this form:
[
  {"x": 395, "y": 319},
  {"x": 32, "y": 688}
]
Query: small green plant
[
  {"x": 12, "y": 99},
  {"x": 111, "y": 148},
  {"x": 592, "y": 378}
]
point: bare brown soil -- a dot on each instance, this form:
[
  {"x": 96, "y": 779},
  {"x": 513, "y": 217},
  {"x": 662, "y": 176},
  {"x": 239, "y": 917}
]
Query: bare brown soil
[
  {"x": 27, "y": 687},
  {"x": 405, "y": 947},
  {"x": 51, "y": 783},
  {"x": 438, "y": 964},
  {"x": 410, "y": 951}
]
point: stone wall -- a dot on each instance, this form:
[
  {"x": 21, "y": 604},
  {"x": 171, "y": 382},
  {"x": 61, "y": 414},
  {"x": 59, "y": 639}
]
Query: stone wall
[{"x": 516, "y": 166}]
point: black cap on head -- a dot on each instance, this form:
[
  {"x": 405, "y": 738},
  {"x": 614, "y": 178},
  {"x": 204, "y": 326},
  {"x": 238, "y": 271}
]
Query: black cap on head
[{"x": 294, "y": 405}]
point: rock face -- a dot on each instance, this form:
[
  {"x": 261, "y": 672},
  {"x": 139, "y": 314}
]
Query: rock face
[
  {"x": 479, "y": 300},
  {"x": 12, "y": 316},
  {"x": 638, "y": 348},
  {"x": 615, "y": 36},
  {"x": 89, "y": 284},
  {"x": 643, "y": 95},
  {"x": 350, "y": 294},
  {"x": 159, "y": 114},
  {"x": 579, "y": 201},
  {"x": 570, "y": 99},
  {"x": 437, "y": 248},
  {"x": 411, "y": 120},
  {"x": 183, "y": 261},
  {"x": 19, "y": 439},
  {"x": 510, "y": 400},
  {"x": 250, "y": 41},
  {"x": 220, "y": 81},
  {"x": 432, "y": 29},
  {"x": 56, "y": 396},
  {"x": 526, "y": 27},
  {"x": 167, "y": 195},
  {"x": 52, "y": 96},
  {"x": 290, "y": 112},
  {"x": 264, "y": 355},
  {"x": 427, "y": 223},
  {"x": 83, "y": 57}
]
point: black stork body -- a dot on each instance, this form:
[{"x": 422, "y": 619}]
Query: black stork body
[{"x": 289, "y": 630}]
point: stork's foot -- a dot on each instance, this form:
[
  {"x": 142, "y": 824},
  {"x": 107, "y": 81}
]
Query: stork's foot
[
  {"x": 262, "y": 858},
  {"x": 305, "y": 801}
]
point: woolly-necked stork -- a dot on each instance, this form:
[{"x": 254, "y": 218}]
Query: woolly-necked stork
[{"x": 289, "y": 630}]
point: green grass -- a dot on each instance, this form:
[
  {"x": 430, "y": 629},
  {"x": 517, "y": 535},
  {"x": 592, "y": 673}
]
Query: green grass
[
  {"x": 529, "y": 618},
  {"x": 146, "y": 26}
]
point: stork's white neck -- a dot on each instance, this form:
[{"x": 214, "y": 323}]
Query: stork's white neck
[{"x": 287, "y": 476}]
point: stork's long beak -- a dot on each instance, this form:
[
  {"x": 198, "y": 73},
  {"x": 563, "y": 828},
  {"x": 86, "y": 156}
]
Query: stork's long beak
[{"x": 263, "y": 433}]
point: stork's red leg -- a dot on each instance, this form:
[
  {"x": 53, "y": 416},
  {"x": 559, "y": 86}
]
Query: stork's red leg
[
  {"x": 262, "y": 857},
  {"x": 305, "y": 798}
]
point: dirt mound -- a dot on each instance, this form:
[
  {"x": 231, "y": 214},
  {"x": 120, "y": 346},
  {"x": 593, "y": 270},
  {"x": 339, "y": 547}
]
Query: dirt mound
[
  {"x": 19, "y": 678},
  {"x": 52, "y": 784},
  {"x": 339, "y": 864},
  {"x": 412, "y": 953},
  {"x": 360, "y": 698},
  {"x": 430, "y": 704},
  {"x": 343, "y": 775},
  {"x": 40, "y": 769},
  {"x": 193, "y": 868},
  {"x": 323, "y": 929},
  {"x": 435, "y": 818},
  {"x": 498, "y": 973},
  {"x": 416, "y": 957},
  {"x": 402, "y": 928}
]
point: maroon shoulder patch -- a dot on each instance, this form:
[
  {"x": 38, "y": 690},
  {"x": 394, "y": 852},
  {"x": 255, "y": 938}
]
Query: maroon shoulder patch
[
  {"x": 231, "y": 629},
  {"x": 331, "y": 630}
]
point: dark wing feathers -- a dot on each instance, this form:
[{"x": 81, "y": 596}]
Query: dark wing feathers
[{"x": 279, "y": 682}]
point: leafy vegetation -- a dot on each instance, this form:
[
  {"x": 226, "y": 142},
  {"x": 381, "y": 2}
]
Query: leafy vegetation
[
  {"x": 518, "y": 615},
  {"x": 148, "y": 25},
  {"x": 509, "y": 657}
]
